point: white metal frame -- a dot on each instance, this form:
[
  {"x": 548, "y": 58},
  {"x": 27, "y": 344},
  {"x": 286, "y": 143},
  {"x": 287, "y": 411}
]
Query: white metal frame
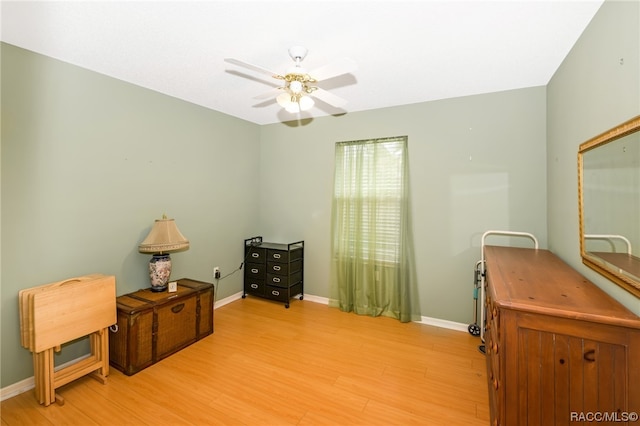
[
  {"x": 610, "y": 237},
  {"x": 482, "y": 269}
]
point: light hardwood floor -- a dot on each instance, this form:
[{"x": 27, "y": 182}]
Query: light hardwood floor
[{"x": 267, "y": 365}]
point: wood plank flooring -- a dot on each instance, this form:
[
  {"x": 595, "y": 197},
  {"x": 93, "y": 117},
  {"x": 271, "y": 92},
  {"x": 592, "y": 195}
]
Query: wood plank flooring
[{"x": 306, "y": 365}]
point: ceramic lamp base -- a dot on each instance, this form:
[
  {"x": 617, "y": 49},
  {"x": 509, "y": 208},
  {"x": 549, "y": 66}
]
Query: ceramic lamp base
[{"x": 159, "y": 271}]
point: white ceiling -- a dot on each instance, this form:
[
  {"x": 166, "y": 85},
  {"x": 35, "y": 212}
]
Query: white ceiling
[{"x": 406, "y": 51}]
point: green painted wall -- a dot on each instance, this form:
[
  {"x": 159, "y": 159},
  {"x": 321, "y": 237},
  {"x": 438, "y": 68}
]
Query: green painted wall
[
  {"x": 596, "y": 88},
  {"x": 476, "y": 163},
  {"x": 89, "y": 162}
]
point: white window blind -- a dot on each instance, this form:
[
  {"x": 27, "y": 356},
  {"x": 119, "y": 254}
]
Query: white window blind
[{"x": 369, "y": 191}]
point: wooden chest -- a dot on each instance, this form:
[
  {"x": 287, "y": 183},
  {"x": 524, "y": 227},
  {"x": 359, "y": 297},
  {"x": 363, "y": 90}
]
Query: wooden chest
[
  {"x": 152, "y": 326},
  {"x": 559, "y": 349}
]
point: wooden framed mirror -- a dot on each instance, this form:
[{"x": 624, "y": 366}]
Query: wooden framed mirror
[{"x": 609, "y": 204}]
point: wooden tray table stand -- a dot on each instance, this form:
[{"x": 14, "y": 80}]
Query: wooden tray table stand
[
  {"x": 57, "y": 313},
  {"x": 47, "y": 380}
]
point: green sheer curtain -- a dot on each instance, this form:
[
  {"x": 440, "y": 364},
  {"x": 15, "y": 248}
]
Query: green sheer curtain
[{"x": 373, "y": 267}]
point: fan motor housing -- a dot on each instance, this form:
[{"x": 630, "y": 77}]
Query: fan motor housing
[{"x": 298, "y": 53}]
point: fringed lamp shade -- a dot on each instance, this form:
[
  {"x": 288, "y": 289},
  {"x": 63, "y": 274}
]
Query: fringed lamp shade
[{"x": 163, "y": 238}]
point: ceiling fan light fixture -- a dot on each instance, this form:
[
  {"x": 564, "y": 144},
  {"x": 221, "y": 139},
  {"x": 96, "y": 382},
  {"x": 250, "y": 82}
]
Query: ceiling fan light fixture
[
  {"x": 292, "y": 107},
  {"x": 288, "y": 102},
  {"x": 296, "y": 86},
  {"x": 284, "y": 99},
  {"x": 294, "y": 103},
  {"x": 306, "y": 103}
]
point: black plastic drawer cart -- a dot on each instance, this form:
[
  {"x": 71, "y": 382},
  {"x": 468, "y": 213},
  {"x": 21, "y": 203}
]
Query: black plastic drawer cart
[{"x": 273, "y": 270}]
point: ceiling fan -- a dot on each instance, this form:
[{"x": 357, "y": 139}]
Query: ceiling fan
[{"x": 299, "y": 87}]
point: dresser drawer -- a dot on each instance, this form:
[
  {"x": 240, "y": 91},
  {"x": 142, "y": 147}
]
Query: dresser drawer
[
  {"x": 282, "y": 294},
  {"x": 255, "y": 255},
  {"x": 255, "y": 271},
  {"x": 275, "y": 255},
  {"x": 284, "y": 280},
  {"x": 277, "y": 293},
  {"x": 494, "y": 377},
  {"x": 493, "y": 350},
  {"x": 254, "y": 286},
  {"x": 280, "y": 268}
]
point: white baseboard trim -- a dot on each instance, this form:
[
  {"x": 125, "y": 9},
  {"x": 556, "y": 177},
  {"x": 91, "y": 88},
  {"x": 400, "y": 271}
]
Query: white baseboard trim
[
  {"x": 227, "y": 300},
  {"x": 316, "y": 299},
  {"x": 451, "y": 325},
  {"x": 29, "y": 383},
  {"x": 17, "y": 388},
  {"x": 437, "y": 322}
]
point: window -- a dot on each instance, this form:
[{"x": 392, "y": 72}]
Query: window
[
  {"x": 368, "y": 199},
  {"x": 373, "y": 269}
]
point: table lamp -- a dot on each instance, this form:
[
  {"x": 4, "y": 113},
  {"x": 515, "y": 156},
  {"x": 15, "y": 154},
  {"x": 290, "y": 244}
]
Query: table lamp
[{"x": 163, "y": 238}]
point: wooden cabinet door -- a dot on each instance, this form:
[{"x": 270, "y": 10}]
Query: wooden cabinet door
[{"x": 564, "y": 367}]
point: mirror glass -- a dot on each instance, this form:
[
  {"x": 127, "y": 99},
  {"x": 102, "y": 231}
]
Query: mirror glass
[{"x": 609, "y": 184}]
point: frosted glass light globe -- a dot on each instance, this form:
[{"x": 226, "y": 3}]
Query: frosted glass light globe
[
  {"x": 306, "y": 103},
  {"x": 295, "y": 86}
]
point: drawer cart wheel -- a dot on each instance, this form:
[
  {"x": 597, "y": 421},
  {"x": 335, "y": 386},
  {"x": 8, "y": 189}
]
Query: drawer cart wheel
[{"x": 474, "y": 329}]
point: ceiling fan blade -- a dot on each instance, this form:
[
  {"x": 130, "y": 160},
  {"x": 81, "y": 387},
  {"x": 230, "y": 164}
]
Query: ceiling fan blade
[
  {"x": 270, "y": 94},
  {"x": 334, "y": 69},
  {"x": 253, "y": 67},
  {"x": 329, "y": 98}
]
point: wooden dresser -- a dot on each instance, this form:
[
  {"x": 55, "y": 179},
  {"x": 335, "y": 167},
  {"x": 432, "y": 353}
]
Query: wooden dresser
[{"x": 560, "y": 351}]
